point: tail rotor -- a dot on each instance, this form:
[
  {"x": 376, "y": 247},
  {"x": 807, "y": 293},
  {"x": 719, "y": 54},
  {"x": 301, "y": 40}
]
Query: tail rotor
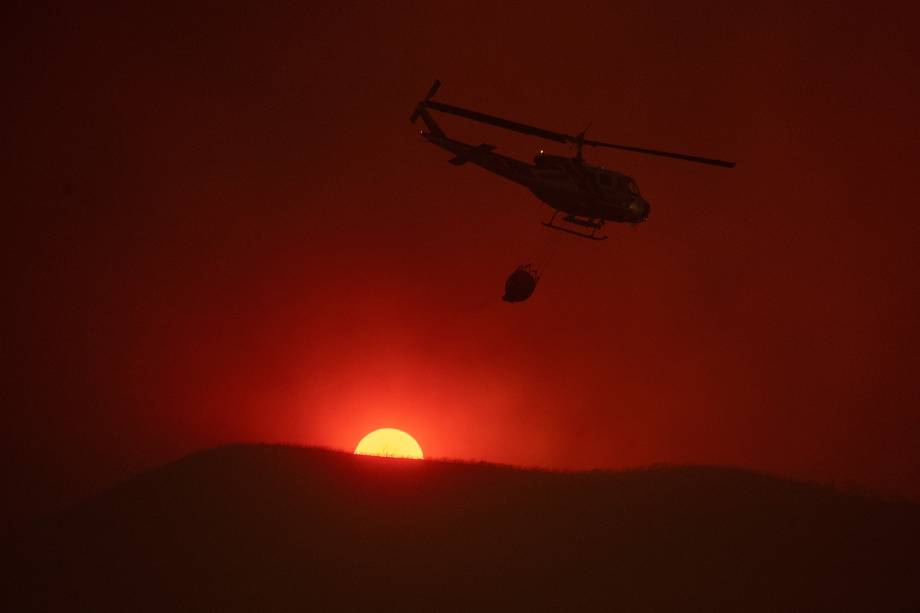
[{"x": 431, "y": 92}]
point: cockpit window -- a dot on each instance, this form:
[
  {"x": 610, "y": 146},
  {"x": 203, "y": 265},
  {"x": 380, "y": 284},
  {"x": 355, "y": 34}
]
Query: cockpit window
[{"x": 631, "y": 185}]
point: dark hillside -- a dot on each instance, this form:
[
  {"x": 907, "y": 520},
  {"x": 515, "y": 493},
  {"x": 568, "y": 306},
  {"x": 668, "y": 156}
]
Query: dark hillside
[{"x": 274, "y": 528}]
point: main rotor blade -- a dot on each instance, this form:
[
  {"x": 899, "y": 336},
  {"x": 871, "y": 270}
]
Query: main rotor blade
[
  {"x": 666, "y": 154},
  {"x": 560, "y": 137},
  {"x": 498, "y": 121}
]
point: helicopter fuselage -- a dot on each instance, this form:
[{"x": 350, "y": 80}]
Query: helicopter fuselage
[
  {"x": 588, "y": 195},
  {"x": 568, "y": 185}
]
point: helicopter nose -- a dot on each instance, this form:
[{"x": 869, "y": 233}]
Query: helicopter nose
[{"x": 640, "y": 207}]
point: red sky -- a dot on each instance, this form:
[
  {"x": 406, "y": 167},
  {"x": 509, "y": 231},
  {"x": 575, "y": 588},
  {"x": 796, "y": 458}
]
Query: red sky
[{"x": 222, "y": 227}]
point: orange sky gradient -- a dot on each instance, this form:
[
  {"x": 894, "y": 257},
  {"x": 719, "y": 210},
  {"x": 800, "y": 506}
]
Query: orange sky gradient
[{"x": 223, "y": 228}]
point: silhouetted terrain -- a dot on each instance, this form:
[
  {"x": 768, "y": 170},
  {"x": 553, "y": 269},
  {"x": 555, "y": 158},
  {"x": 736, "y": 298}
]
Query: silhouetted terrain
[{"x": 275, "y": 528}]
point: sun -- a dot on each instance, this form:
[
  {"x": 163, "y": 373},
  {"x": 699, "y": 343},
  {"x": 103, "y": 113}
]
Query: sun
[{"x": 390, "y": 443}]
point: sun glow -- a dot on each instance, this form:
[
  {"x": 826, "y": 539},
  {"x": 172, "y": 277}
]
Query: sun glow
[{"x": 390, "y": 443}]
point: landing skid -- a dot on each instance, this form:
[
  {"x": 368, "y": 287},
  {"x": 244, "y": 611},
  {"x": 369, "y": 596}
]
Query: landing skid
[{"x": 588, "y": 223}]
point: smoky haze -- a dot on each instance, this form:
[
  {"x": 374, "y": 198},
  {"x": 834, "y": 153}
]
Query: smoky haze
[{"x": 222, "y": 228}]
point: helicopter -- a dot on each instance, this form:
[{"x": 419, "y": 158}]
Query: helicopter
[{"x": 587, "y": 196}]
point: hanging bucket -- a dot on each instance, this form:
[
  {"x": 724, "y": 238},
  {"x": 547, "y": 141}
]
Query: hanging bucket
[{"x": 521, "y": 283}]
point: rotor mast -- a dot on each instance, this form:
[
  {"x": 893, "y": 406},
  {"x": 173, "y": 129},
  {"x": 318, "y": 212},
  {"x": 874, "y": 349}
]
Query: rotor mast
[{"x": 579, "y": 141}]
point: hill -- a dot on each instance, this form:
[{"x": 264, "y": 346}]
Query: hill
[{"x": 278, "y": 528}]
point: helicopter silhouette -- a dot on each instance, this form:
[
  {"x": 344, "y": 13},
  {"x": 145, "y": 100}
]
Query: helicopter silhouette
[{"x": 587, "y": 196}]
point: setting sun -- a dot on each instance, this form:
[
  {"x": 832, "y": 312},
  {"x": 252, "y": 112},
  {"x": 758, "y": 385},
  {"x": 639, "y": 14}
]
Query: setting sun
[{"x": 390, "y": 443}]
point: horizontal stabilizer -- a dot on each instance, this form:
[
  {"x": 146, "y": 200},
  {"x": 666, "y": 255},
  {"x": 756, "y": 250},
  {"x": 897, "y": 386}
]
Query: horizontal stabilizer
[{"x": 472, "y": 155}]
